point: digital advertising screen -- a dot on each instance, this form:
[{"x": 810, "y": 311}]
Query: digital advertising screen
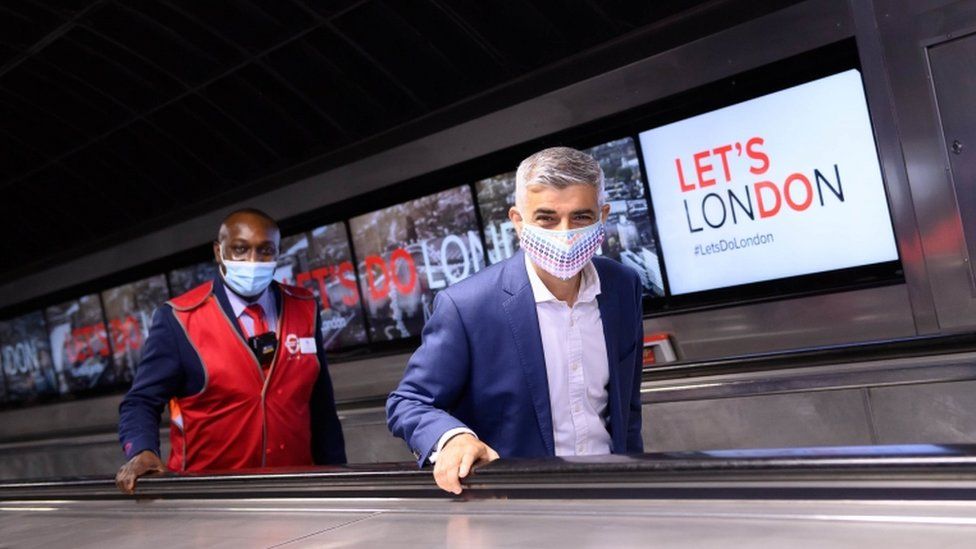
[
  {"x": 80, "y": 348},
  {"x": 185, "y": 279},
  {"x": 496, "y": 196},
  {"x": 321, "y": 261},
  {"x": 630, "y": 234},
  {"x": 25, "y": 356},
  {"x": 410, "y": 251},
  {"x": 782, "y": 185},
  {"x": 129, "y": 309},
  {"x": 291, "y": 258}
]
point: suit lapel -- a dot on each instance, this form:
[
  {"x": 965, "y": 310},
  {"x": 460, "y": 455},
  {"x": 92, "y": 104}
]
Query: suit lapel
[
  {"x": 610, "y": 317},
  {"x": 221, "y": 294},
  {"x": 519, "y": 306}
]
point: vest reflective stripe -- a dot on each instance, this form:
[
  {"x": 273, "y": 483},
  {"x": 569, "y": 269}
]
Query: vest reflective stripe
[{"x": 242, "y": 418}]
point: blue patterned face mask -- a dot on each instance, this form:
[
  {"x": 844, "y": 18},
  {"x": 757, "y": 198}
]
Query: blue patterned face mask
[
  {"x": 562, "y": 253},
  {"x": 248, "y": 278}
]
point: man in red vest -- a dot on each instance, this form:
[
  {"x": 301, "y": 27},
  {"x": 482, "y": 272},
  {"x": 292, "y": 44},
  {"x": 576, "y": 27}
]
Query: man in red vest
[{"x": 240, "y": 361}]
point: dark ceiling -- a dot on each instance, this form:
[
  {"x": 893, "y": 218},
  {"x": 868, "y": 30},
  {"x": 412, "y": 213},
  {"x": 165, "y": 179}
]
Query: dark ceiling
[{"x": 118, "y": 117}]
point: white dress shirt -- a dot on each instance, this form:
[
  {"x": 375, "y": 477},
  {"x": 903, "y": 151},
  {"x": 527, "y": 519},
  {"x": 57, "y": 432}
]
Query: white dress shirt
[
  {"x": 577, "y": 368},
  {"x": 576, "y": 365},
  {"x": 265, "y": 300}
]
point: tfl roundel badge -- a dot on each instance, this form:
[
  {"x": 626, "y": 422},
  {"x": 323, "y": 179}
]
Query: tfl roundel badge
[{"x": 291, "y": 343}]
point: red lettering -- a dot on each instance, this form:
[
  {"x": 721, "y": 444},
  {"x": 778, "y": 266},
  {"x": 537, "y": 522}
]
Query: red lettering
[
  {"x": 80, "y": 344},
  {"x": 788, "y": 196},
  {"x": 373, "y": 262},
  {"x": 403, "y": 255},
  {"x": 752, "y": 152},
  {"x": 722, "y": 151},
  {"x": 78, "y": 347},
  {"x": 102, "y": 335},
  {"x": 681, "y": 177},
  {"x": 702, "y": 170},
  {"x": 118, "y": 337},
  {"x": 319, "y": 276},
  {"x": 765, "y": 212},
  {"x": 348, "y": 282}
]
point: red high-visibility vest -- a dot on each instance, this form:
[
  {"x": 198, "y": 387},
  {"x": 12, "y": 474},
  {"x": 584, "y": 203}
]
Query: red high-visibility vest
[{"x": 243, "y": 418}]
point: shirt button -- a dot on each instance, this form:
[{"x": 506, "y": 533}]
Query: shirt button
[
  {"x": 575, "y": 366},
  {"x": 580, "y": 449},
  {"x": 576, "y": 408},
  {"x": 281, "y": 446},
  {"x": 268, "y": 451},
  {"x": 279, "y": 391}
]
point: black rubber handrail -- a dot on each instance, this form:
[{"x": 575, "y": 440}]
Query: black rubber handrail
[{"x": 920, "y": 471}]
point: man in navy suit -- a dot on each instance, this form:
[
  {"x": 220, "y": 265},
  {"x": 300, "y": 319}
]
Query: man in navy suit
[{"x": 539, "y": 355}]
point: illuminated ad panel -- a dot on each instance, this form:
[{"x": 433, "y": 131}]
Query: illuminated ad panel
[
  {"x": 321, "y": 261},
  {"x": 408, "y": 252},
  {"x": 185, "y": 279},
  {"x": 783, "y": 185},
  {"x": 79, "y": 345},
  {"x": 25, "y": 355},
  {"x": 630, "y": 235},
  {"x": 129, "y": 309}
]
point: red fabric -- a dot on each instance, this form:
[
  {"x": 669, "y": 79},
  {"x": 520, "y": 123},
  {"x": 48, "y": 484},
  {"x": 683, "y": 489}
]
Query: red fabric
[{"x": 243, "y": 418}]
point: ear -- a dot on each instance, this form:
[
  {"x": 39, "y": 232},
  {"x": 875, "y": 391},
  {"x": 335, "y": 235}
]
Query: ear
[
  {"x": 217, "y": 258},
  {"x": 515, "y": 216},
  {"x": 605, "y": 212}
]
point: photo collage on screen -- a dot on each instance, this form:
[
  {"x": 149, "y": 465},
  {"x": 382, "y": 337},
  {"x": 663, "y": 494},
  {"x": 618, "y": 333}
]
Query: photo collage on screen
[
  {"x": 25, "y": 355},
  {"x": 321, "y": 261},
  {"x": 630, "y": 235},
  {"x": 129, "y": 309},
  {"x": 80, "y": 348},
  {"x": 410, "y": 251}
]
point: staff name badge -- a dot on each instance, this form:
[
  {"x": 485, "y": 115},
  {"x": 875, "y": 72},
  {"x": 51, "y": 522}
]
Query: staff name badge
[{"x": 307, "y": 345}]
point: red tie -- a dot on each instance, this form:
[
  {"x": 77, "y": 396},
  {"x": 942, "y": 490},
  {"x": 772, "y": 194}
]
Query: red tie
[{"x": 256, "y": 312}]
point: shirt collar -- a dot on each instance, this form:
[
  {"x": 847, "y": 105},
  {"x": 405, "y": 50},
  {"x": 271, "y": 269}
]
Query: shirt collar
[
  {"x": 238, "y": 303},
  {"x": 589, "y": 286}
]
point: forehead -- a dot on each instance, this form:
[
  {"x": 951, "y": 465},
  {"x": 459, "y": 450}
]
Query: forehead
[
  {"x": 573, "y": 197},
  {"x": 249, "y": 227}
]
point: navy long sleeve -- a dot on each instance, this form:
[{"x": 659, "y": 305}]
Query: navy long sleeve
[{"x": 160, "y": 375}]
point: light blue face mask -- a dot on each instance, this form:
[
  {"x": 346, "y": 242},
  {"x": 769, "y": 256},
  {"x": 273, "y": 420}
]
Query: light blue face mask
[{"x": 248, "y": 278}]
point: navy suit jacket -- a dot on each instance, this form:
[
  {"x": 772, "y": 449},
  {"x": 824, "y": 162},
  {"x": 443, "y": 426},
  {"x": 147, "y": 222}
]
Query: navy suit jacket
[
  {"x": 170, "y": 367},
  {"x": 481, "y": 365}
]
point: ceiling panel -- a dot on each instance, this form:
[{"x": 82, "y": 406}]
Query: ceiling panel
[{"x": 119, "y": 117}]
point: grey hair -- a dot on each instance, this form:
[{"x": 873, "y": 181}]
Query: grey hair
[{"x": 558, "y": 167}]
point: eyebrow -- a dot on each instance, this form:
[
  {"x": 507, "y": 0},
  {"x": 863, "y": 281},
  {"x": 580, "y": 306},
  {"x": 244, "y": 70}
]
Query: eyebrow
[
  {"x": 574, "y": 212},
  {"x": 244, "y": 242}
]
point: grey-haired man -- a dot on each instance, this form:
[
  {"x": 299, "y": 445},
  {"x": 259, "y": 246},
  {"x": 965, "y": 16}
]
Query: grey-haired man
[{"x": 539, "y": 355}]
